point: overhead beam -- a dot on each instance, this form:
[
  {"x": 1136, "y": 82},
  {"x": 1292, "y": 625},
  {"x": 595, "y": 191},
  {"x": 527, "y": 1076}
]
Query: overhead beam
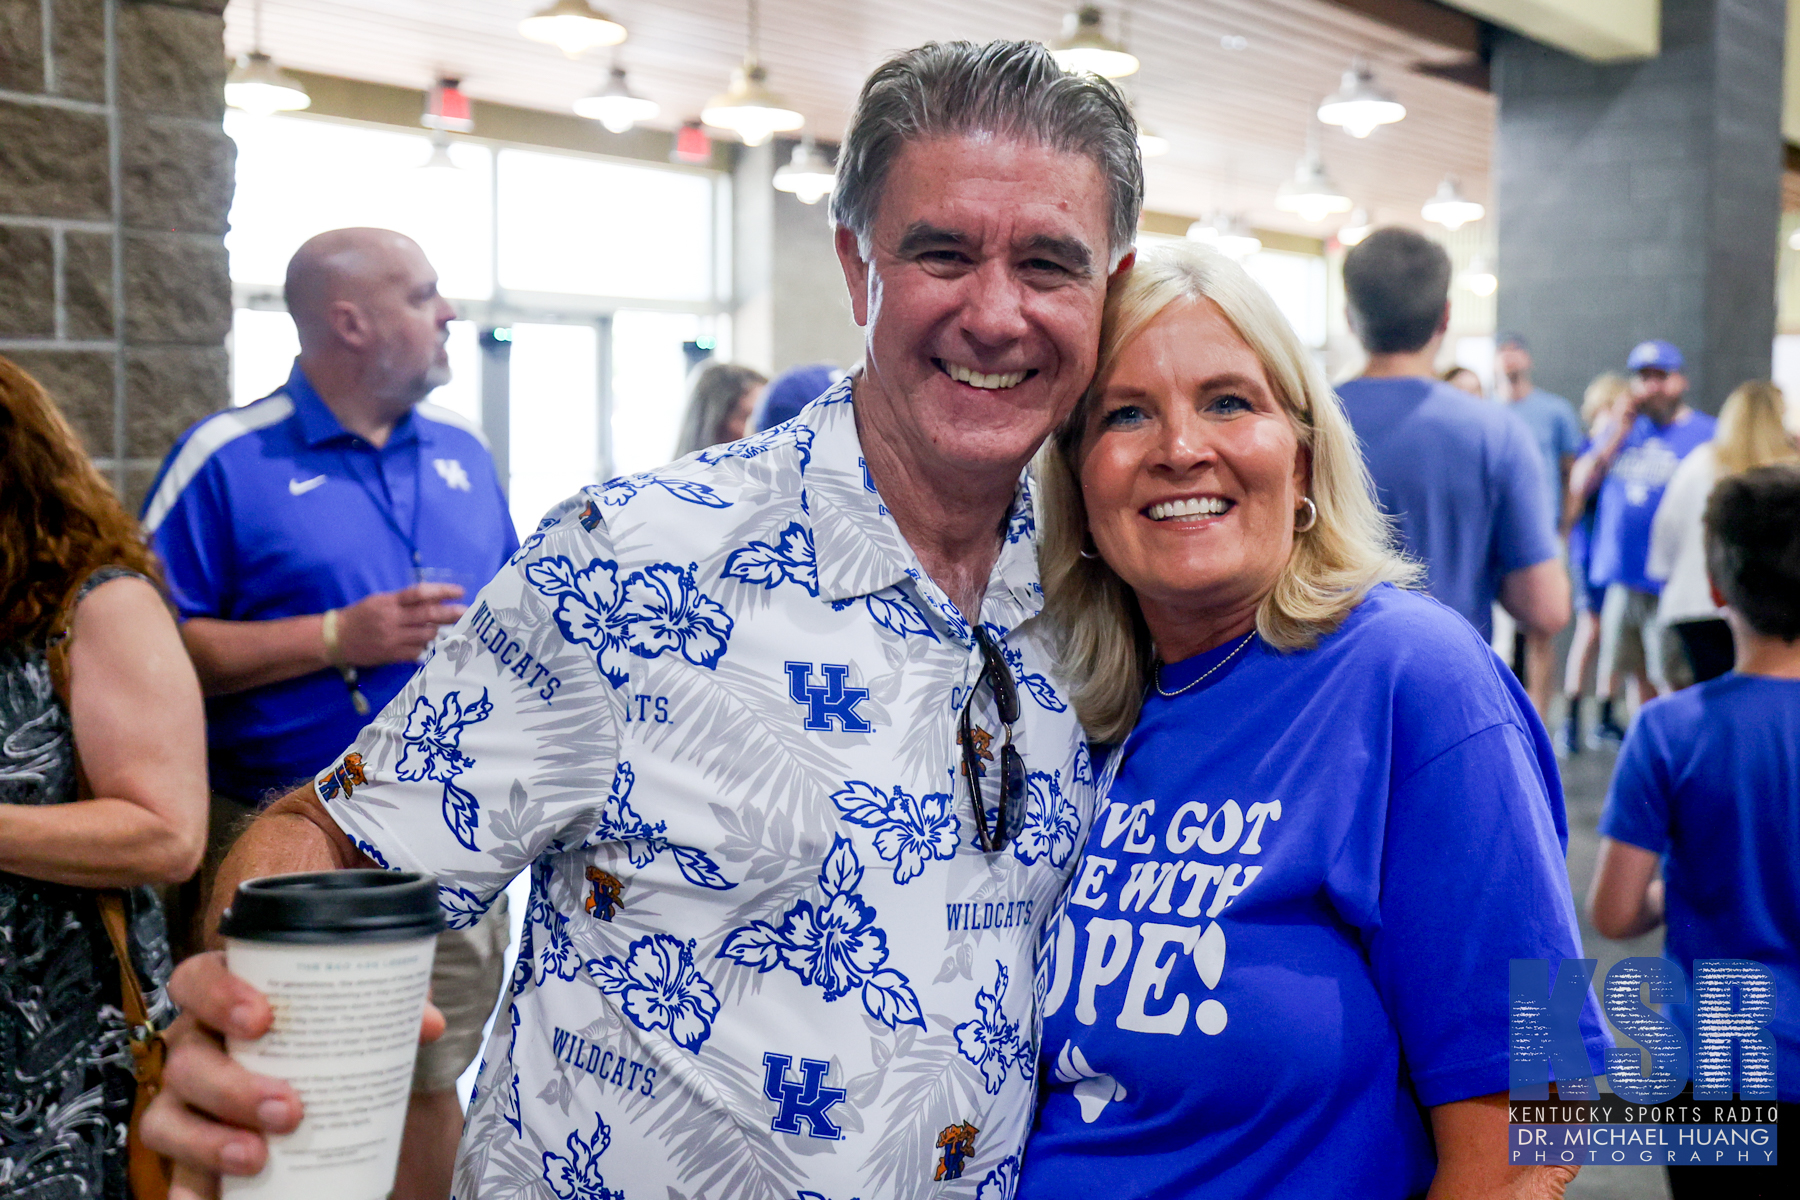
[{"x": 1597, "y": 30}]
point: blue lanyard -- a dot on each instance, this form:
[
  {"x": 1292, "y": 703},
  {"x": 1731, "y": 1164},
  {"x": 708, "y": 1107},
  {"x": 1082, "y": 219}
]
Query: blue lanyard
[{"x": 384, "y": 504}]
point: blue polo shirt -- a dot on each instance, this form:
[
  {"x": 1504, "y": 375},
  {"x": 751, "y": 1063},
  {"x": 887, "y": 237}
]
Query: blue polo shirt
[{"x": 276, "y": 510}]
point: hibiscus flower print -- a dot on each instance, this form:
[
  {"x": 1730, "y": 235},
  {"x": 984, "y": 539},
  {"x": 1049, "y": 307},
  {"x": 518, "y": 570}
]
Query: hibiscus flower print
[
  {"x": 1000, "y": 1182},
  {"x": 992, "y": 1042},
  {"x": 433, "y": 738},
  {"x": 909, "y": 831},
  {"x": 576, "y": 1175},
  {"x": 587, "y": 609},
  {"x": 664, "y": 610},
  {"x": 659, "y": 987},
  {"x": 1052, "y": 821},
  {"x": 832, "y": 943}
]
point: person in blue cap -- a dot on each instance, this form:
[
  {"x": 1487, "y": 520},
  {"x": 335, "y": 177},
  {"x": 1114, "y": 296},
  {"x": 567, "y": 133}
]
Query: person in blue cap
[
  {"x": 791, "y": 391},
  {"x": 1629, "y": 465}
]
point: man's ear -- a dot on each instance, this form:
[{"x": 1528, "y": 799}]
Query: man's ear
[
  {"x": 1443, "y": 325},
  {"x": 1718, "y": 597},
  {"x": 347, "y": 322},
  {"x": 856, "y": 272},
  {"x": 1118, "y": 272}
]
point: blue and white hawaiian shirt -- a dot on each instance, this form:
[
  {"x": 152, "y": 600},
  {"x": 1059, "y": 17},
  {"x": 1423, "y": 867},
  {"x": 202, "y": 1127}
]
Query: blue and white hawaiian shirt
[{"x": 712, "y": 709}]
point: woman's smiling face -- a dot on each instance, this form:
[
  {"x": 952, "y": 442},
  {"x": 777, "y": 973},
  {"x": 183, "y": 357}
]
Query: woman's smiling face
[{"x": 1191, "y": 473}]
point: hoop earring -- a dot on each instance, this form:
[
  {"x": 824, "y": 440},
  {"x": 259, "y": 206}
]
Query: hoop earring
[
  {"x": 1312, "y": 515},
  {"x": 1087, "y": 539}
]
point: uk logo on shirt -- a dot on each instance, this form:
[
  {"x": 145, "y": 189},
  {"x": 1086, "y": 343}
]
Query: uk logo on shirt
[{"x": 452, "y": 473}]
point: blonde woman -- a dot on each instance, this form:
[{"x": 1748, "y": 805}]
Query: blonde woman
[
  {"x": 1330, "y": 817},
  {"x": 1696, "y": 642}
]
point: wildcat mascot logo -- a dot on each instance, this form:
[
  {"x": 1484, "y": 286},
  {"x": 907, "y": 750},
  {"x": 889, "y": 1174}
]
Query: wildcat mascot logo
[
  {"x": 958, "y": 1145},
  {"x": 607, "y": 895},
  {"x": 348, "y": 776}
]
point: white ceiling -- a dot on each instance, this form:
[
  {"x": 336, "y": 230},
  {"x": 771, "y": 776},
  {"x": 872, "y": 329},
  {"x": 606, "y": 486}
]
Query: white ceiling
[{"x": 1236, "y": 119}]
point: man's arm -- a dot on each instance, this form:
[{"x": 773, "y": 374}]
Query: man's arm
[
  {"x": 212, "y": 1113},
  {"x": 1537, "y": 596},
  {"x": 1625, "y": 899},
  {"x": 1472, "y": 1160},
  {"x": 388, "y": 627},
  {"x": 1590, "y": 470}
]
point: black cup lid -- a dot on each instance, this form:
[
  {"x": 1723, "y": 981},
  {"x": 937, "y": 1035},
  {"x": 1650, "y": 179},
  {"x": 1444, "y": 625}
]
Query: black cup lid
[{"x": 335, "y": 906}]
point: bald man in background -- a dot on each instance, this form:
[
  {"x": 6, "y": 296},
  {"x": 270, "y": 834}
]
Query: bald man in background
[{"x": 314, "y": 542}]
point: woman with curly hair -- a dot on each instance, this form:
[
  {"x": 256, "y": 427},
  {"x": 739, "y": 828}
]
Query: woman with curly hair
[{"x": 76, "y": 579}]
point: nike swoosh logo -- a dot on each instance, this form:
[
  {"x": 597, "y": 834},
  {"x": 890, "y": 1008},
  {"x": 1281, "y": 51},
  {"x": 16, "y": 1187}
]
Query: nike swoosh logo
[{"x": 299, "y": 487}]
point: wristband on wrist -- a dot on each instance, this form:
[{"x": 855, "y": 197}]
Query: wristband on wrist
[{"x": 328, "y": 633}]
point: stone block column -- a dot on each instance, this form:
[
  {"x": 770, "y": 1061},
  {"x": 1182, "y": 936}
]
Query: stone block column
[
  {"x": 115, "y": 181},
  {"x": 1643, "y": 199}
]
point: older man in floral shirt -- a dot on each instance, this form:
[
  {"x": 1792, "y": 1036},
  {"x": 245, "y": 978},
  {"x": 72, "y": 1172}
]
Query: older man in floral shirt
[{"x": 773, "y": 729}]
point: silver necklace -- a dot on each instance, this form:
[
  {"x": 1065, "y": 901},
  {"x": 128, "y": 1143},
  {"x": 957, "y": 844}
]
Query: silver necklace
[{"x": 1184, "y": 687}]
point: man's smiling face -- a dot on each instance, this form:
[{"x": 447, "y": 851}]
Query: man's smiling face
[{"x": 981, "y": 293}]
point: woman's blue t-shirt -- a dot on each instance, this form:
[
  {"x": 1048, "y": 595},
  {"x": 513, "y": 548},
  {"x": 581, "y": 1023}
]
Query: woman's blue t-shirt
[{"x": 1291, "y": 928}]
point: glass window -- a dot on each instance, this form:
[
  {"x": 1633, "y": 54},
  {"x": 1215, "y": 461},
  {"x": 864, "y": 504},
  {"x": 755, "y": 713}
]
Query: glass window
[
  {"x": 589, "y": 227},
  {"x": 299, "y": 176},
  {"x": 263, "y": 346},
  {"x": 649, "y": 387},
  {"x": 1296, "y": 282},
  {"x": 554, "y": 430}
]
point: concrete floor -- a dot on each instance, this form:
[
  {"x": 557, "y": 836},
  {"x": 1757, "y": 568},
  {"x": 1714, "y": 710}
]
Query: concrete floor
[{"x": 1585, "y": 777}]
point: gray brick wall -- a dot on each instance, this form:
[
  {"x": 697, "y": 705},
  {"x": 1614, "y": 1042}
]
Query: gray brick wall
[
  {"x": 115, "y": 181},
  {"x": 1640, "y": 200}
]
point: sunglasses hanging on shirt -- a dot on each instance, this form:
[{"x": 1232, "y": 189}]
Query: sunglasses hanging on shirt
[{"x": 1009, "y": 813}]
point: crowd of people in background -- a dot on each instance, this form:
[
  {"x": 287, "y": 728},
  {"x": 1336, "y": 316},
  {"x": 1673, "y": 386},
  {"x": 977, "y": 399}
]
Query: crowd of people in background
[{"x": 298, "y": 558}]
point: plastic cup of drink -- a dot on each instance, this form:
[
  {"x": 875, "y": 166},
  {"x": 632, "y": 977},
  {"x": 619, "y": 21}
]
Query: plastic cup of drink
[{"x": 344, "y": 958}]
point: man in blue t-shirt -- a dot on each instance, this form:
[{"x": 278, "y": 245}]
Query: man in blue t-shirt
[
  {"x": 1460, "y": 477},
  {"x": 1629, "y": 466},
  {"x": 314, "y": 542},
  {"x": 1708, "y": 784},
  {"x": 1558, "y": 433}
]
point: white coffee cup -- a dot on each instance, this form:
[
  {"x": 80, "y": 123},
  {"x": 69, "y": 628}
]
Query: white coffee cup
[{"x": 344, "y": 958}]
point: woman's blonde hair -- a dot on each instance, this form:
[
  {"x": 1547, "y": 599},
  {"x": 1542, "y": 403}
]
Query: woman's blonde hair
[
  {"x": 1104, "y": 645},
  {"x": 1751, "y": 433},
  {"x": 1601, "y": 395}
]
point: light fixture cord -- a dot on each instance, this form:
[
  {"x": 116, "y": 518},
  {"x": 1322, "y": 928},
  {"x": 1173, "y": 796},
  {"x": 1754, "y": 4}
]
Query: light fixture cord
[
  {"x": 256, "y": 25},
  {"x": 755, "y": 31}
]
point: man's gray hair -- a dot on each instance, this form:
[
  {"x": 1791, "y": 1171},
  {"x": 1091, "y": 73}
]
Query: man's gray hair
[{"x": 1011, "y": 89}]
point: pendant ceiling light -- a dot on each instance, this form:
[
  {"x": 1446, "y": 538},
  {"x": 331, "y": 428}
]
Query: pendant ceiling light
[
  {"x": 809, "y": 175},
  {"x": 1226, "y": 234},
  {"x": 616, "y": 106},
  {"x": 1083, "y": 48},
  {"x": 1450, "y": 208},
  {"x": 257, "y": 85},
  {"x": 1355, "y": 228},
  {"x": 748, "y": 108},
  {"x": 1480, "y": 277},
  {"x": 1359, "y": 105},
  {"x": 572, "y": 26},
  {"x": 1310, "y": 194},
  {"x": 440, "y": 159}
]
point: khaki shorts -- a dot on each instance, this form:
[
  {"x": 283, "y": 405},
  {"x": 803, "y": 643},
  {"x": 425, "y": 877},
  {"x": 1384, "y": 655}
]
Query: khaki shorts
[
  {"x": 465, "y": 983},
  {"x": 1629, "y": 638}
]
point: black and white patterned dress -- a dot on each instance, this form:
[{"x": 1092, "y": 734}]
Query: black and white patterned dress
[{"x": 66, "y": 1085}]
